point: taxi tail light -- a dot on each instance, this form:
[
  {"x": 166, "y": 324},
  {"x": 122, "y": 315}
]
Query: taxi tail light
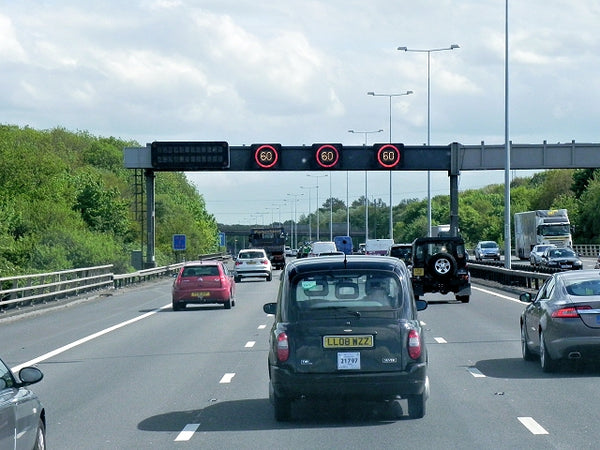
[
  {"x": 571, "y": 312},
  {"x": 283, "y": 348},
  {"x": 414, "y": 344}
]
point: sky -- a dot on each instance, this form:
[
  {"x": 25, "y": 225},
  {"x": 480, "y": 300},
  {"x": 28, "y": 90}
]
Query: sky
[{"x": 298, "y": 72}]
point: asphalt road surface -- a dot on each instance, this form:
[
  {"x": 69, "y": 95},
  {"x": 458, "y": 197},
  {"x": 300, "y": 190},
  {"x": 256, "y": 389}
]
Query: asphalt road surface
[{"x": 123, "y": 371}]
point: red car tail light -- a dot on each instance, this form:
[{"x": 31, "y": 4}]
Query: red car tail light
[
  {"x": 571, "y": 312},
  {"x": 283, "y": 348},
  {"x": 237, "y": 263},
  {"x": 265, "y": 261},
  {"x": 414, "y": 344}
]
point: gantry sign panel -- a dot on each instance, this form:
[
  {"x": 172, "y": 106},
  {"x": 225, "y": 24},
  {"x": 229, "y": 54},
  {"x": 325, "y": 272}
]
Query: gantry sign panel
[{"x": 200, "y": 156}]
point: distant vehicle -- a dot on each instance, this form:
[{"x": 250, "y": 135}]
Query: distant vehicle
[
  {"x": 319, "y": 247},
  {"x": 347, "y": 328},
  {"x": 253, "y": 262},
  {"x": 287, "y": 250},
  {"x": 378, "y": 246},
  {"x": 535, "y": 257},
  {"x": 203, "y": 282},
  {"x": 487, "y": 250},
  {"x": 22, "y": 416},
  {"x": 440, "y": 230},
  {"x": 439, "y": 264},
  {"x": 343, "y": 244},
  {"x": 561, "y": 258},
  {"x": 272, "y": 240},
  {"x": 361, "y": 248},
  {"x": 561, "y": 322},
  {"x": 542, "y": 226},
  {"x": 403, "y": 252}
]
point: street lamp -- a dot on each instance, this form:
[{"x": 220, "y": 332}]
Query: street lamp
[
  {"x": 366, "y": 133},
  {"x": 318, "y": 207},
  {"x": 428, "y": 51},
  {"x": 310, "y": 188},
  {"x": 295, "y": 228},
  {"x": 391, "y": 204}
]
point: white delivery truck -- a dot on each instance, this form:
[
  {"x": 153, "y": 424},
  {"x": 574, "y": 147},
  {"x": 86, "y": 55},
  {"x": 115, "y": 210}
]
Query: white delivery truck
[
  {"x": 542, "y": 226},
  {"x": 378, "y": 246}
]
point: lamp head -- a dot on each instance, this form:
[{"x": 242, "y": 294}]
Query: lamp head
[
  {"x": 403, "y": 48},
  {"x": 453, "y": 46}
]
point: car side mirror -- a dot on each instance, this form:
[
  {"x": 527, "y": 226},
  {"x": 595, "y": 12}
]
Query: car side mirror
[
  {"x": 421, "y": 305},
  {"x": 525, "y": 297},
  {"x": 270, "y": 308}
]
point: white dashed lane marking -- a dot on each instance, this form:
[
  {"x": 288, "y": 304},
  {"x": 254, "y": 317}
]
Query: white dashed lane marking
[
  {"x": 227, "y": 378},
  {"x": 532, "y": 425},
  {"x": 250, "y": 344},
  {"x": 440, "y": 340},
  {"x": 188, "y": 432}
]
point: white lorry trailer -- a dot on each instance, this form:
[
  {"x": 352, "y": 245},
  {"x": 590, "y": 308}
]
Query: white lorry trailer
[{"x": 542, "y": 226}]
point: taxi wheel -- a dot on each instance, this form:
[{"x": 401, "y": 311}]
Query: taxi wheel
[
  {"x": 416, "y": 406},
  {"x": 283, "y": 408}
]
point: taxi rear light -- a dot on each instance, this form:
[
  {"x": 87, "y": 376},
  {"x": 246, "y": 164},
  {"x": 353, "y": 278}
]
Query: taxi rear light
[
  {"x": 414, "y": 344},
  {"x": 283, "y": 348}
]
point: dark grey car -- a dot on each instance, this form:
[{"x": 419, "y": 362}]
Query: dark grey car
[
  {"x": 561, "y": 258},
  {"x": 562, "y": 322},
  {"x": 22, "y": 416},
  {"x": 346, "y": 327}
]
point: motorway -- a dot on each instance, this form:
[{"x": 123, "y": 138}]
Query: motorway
[{"x": 123, "y": 371}]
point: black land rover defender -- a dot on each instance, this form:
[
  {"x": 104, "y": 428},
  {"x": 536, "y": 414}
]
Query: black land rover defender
[{"x": 440, "y": 265}]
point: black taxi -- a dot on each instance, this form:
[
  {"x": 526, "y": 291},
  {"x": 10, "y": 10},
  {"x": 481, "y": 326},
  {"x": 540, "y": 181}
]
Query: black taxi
[{"x": 346, "y": 327}]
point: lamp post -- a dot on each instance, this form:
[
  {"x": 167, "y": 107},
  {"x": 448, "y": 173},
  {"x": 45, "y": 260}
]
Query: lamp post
[
  {"x": 318, "y": 206},
  {"x": 366, "y": 133},
  {"x": 429, "y": 51},
  {"x": 295, "y": 228},
  {"x": 310, "y": 188},
  {"x": 390, "y": 98}
]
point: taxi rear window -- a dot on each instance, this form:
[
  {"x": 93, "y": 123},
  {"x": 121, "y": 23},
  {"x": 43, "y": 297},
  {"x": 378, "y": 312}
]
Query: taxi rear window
[{"x": 352, "y": 290}]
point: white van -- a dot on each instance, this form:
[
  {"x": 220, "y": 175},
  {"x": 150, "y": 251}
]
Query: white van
[
  {"x": 319, "y": 247},
  {"x": 378, "y": 246}
]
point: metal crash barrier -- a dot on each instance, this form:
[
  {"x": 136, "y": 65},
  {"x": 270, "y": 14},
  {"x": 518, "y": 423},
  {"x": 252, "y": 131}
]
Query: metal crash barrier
[{"x": 30, "y": 290}]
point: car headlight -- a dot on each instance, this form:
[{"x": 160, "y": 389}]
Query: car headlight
[{"x": 578, "y": 263}]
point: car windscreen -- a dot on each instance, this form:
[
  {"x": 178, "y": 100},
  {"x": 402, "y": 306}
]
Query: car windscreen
[{"x": 357, "y": 290}]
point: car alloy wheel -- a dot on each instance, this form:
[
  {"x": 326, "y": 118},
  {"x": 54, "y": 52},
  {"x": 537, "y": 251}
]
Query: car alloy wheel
[
  {"x": 527, "y": 354},
  {"x": 546, "y": 361}
]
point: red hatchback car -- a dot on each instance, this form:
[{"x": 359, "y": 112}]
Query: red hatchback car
[{"x": 202, "y": 282}]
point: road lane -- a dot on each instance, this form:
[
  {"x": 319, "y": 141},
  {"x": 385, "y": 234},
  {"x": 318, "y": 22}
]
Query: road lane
[{"x": 155, "y": 383}]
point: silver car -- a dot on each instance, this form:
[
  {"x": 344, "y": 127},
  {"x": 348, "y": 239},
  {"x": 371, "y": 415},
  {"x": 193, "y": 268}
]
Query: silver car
[
  {"x": 535, "y": 257},
  {"x": 562, "y": 321},
  {"x": 22, "y": 416}
]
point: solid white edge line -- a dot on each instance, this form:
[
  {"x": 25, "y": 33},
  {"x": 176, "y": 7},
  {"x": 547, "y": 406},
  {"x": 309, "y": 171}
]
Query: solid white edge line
[
  {"x": 532, "y": 425},
  {"x": 188, "y": 432},
  {"x": 78, "y": 342},
  {"x": 516, "y": 300}
]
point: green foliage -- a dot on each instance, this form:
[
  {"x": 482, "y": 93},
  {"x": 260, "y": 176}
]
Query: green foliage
[{"x": 66, "y": 201}]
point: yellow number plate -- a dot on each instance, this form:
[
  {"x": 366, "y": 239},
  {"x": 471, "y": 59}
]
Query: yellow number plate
[
  {"x": 200, "y": 294},
  {"x": 418, "y": 271},
  {"x": 360, "y": 341}
]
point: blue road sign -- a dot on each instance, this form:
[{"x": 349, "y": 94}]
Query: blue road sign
[{"x": 179, "y": 242}]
